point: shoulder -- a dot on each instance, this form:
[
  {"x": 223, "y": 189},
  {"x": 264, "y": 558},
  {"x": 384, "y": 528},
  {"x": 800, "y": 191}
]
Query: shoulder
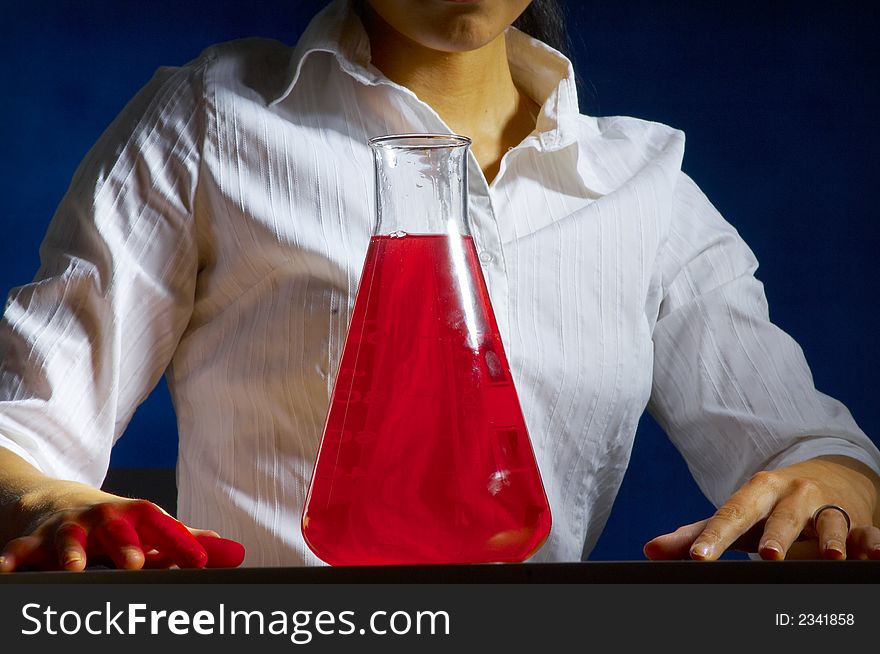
[
  {"x": 634, "y": 139},
  {"x": 251, "y": 67},
  {"x": 638, "y": 132},
  {"x": 616, "y": 149}
]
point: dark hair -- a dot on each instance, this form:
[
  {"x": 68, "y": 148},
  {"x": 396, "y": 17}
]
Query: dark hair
[{"x": 545, "y": 20}]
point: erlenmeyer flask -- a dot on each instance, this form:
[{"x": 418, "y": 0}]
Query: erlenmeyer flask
[{"x": 425, "y": 457}]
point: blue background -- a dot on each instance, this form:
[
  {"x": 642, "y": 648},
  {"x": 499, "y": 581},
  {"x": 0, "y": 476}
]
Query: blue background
[{"x": 779, "y": 102}]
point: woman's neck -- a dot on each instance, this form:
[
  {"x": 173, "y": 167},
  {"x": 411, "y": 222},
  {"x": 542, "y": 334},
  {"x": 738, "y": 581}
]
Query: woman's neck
[{"x": 473, "y": 91}]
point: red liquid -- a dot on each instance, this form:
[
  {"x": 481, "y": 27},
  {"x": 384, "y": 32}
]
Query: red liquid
[{"x": 425, "y": 456}]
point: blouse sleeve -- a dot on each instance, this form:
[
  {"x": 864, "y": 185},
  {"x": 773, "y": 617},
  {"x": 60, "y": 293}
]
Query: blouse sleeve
[
  {"x": 85, "y": 342},
  {"x": 731, "y": 389}
]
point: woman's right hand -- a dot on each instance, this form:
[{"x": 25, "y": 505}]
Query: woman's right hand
[{"x": 111, "y": 530}]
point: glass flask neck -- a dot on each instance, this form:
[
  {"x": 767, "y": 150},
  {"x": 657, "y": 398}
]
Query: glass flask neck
[{"x": 421, "y": 184}]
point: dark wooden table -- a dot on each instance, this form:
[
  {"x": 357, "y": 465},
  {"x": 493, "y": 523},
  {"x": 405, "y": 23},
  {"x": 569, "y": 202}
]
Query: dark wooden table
[{"x": 623, "y": 572}]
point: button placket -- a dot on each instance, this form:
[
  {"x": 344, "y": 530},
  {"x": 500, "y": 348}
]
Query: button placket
[
  {"x": 488, "y": 242},
  {"x": 485, "y": 233}
]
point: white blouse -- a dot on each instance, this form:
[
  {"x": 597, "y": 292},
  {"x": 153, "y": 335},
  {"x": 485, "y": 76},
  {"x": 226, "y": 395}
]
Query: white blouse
[{"x": 216, "y": 234}]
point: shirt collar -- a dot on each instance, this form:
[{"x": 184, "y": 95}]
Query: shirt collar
[
  {"x": 336, "y": 29},
  {"x": 542, "y": 72},
  {"x": 547, "y": 76}
]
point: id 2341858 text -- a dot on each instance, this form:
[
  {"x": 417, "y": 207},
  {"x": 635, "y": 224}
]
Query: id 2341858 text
[{"x": 815, "y": 619}]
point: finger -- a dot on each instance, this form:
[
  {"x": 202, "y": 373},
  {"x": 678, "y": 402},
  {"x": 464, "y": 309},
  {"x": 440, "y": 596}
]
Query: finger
[
  {"x": 863, "y": 543},
  {"x": 222, "y": 552},
  {"x": 167, "y": 535},
  {"x": 783, "y": 527},
  {"x": 747, "y": 506},
  {"x": 70, "y": 546},
  {"x": 832, "y": 530},
  {"x": 27, "y": 551},
  {"x": 675, "y": 545},
  {"x": 117, "y": 538}
]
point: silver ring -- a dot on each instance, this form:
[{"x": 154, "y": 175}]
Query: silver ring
[{"x": 831, "y": 506}]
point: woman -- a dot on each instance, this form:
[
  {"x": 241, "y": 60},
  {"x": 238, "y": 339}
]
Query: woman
[{"x": 218, "y": 228}]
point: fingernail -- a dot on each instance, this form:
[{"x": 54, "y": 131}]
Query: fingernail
[
  {"x": 701, "y": 550},
  {"x": 835, "y": 546},
  {"x": 72, "y": 559},
  {"x": 132, "y": 555},
  {"x": 200, "y": 559},
  {"x": 770, "y": 546}
]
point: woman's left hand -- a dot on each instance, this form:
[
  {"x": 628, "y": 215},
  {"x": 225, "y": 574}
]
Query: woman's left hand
[{"x": 772, "y": 514}]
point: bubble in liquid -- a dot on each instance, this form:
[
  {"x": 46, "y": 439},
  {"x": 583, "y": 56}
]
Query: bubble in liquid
[
  {"x": 497, "y": 481},
  {"x": 397, "y": 234}
]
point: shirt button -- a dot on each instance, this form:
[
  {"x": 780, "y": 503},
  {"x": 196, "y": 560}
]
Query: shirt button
[{"x": 486, "y": 257}]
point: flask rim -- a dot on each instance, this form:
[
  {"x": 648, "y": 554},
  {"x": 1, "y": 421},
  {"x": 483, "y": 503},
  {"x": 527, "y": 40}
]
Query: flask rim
[{"x": 427, "y": 141}]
